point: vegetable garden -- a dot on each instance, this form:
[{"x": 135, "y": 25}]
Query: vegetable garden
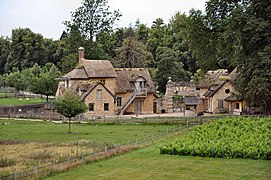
[{"x": 227, "y": 138}]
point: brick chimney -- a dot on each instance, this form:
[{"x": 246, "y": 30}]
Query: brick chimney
[{"x": 81, "y": 55}]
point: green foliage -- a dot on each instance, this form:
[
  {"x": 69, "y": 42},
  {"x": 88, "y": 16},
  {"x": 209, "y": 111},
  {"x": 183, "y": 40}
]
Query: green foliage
[
  {"x": 93, "y": 17},
  {"x": 226, "y": 138},
  {"x": 4, "y": 52},
  {"x": 169, "y": 66},
  {"x": 69, "y": 105},
  {"x": 133, "y": 54}
]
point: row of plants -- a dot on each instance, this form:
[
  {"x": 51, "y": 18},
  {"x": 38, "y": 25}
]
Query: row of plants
[{"x": 240, "y": 137}]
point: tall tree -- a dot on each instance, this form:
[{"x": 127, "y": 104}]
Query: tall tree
[
  {"x": 92, "y": 17},
  {"x": 27, "y": 48},
  {"x": 133, "y": 54},
  {"x": 69, "y": 105},
  {"x": 169, "y": 66},
  {"x": 45, "y": 82},
  {"x": 178, "y": 27},
  {"x": 4, "y": 52}
]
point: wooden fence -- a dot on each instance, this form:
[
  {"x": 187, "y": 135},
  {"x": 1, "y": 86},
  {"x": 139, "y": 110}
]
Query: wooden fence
[{"x": 54, "y": 167}]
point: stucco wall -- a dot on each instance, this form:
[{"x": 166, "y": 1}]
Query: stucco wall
[
  {"x": 221, "y": 95},
  {"x": 99, "y": 103}
]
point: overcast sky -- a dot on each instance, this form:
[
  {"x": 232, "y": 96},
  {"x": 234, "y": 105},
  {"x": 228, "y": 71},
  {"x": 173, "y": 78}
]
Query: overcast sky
[{"x": 46, "y": 16}]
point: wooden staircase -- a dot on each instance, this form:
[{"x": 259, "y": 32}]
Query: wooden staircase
[{"x": 136, "y": 94}]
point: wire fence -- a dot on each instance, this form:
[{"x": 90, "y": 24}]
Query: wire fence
[{"x": 54, "y": 167}]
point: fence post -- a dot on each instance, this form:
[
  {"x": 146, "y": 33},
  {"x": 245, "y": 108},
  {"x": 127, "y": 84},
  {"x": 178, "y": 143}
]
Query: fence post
[
  {"x": 144, "y": 139},
  {"x": 94, "y": 155},
  {"x": 36, "y": 171},
  {"x": 105, "y": 150},
  {"x": 69, "y": 159},
  {"x": 186, "y": 123},
  {"x": 15, "y": 175},
  {"x": 53, "y": 171}
]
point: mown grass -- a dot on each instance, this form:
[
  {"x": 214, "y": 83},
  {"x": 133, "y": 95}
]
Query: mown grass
[
  {"x": 19, "y": 101},
  {"x": 52, "y": 132},
  {"x": 147, "y": 163}
]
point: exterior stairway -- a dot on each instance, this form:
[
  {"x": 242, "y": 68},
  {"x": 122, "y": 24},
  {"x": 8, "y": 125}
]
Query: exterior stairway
[{"x": 135, "y": 94}]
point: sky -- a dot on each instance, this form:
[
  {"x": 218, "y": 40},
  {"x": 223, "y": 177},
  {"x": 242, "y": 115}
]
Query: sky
[{"x": 46, "y": 16}]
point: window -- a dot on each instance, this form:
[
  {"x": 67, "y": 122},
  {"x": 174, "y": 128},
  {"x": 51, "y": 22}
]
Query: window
[
  {"x": 102, "y": 81},
  {"x": 99, "y": 94},
  {"x": 119, "y": 101},
  {"x": 237, "y": 105},
  {"x": 227, "y": 91},
  {"x": 220, "y": 104},
  {"x": 91, "y": 107},
  {"x": 106, "y": 106}
]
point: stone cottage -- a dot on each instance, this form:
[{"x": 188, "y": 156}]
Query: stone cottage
[
  {"x": 218, "y": 93},
  {"x": 107, "y": 90}
]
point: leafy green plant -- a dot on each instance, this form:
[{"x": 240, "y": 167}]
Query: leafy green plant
[{"x": 226, "y": 138}]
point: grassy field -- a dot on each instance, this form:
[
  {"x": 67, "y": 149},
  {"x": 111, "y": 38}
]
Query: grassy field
[
  {"x": 47, "y": 131},
  {"x": 25, "y": 143},
  {"x": 19, "y": 101},
  {"x": 147, "y": 163}
]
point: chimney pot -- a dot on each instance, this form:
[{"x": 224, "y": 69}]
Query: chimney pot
[{"x": 81, "y": 55}]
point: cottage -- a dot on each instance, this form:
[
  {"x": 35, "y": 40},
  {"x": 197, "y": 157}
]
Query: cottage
[
  {"x": 218, "y": 93},
  {"x": 107, "y": 90}
]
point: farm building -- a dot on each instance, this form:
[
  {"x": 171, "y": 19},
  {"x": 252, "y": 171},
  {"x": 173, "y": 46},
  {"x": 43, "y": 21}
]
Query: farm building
[{"x": 107, "y": 90}]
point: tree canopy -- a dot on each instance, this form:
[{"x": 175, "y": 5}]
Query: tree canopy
[{"x": 69, "y": 105}]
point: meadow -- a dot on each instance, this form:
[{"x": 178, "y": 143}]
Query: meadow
[
  {"x": 19, "y": 101},
  {"x": 25, "y": 143}
]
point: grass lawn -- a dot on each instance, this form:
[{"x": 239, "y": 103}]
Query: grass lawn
[
  {"x": 47, "y": 131},
  {"x": 19, "y": 101},
  {"x": 147, "y": 163}
]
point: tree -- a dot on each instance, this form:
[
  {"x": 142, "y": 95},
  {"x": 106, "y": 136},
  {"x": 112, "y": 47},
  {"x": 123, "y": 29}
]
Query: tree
[
  {"x": 133, "y": 54},
  {"x": 4, "y": 52},
  {"x": 93, "y": 17},
  {"x": 169, "y": 66},
  {"x": 27, "y": 48},
  {"x": 45, "y": 82},
  {"x": 69, "y": 105},
  {"x": 177, "y": 28}
]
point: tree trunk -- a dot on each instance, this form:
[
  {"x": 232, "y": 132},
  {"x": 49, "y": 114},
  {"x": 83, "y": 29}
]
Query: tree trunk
[
  {"x": 69, "y": 125},
  {"x": 47, "y": 98}
]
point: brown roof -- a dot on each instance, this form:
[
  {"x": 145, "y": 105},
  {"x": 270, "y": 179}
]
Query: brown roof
[
  {"x": 99, "y": 68},
  {"x": 126, "y": 77},
  {"x": 212, "y": 77},
  {"x": 77, "y": 74}
]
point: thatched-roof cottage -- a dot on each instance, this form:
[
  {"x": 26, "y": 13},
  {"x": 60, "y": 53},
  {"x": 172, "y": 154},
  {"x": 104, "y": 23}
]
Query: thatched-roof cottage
[
  {"x": 218, "y": 93},
  {"x": 107, "y": 90}
]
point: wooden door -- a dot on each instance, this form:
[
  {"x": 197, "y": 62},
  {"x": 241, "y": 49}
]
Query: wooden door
[{"x": 137, "y": 106}]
